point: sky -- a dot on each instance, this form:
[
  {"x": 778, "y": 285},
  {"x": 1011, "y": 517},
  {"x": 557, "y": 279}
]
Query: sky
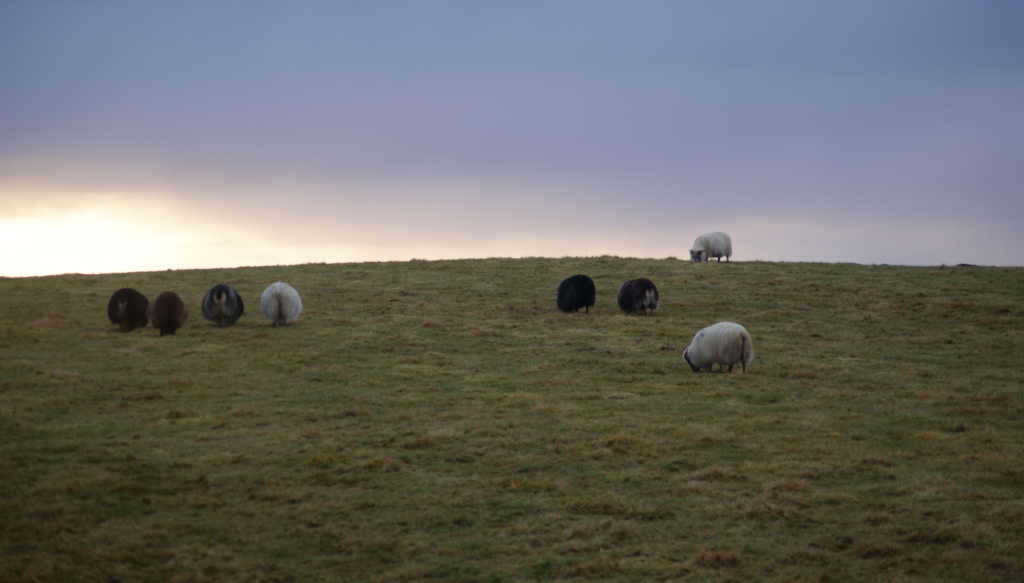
[{"x": 150, "y": 136}]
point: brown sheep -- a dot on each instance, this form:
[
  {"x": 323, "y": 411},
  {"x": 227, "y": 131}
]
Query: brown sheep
[{"x": 167, "y": 312}]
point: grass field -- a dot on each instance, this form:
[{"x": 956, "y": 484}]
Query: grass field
[{"x": 442, "y": 420}]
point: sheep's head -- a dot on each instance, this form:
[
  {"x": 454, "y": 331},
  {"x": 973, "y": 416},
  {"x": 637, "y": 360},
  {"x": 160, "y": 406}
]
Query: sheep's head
[
  {"x": 689, "y": 362},
  {"x": 698, "y": 256}
]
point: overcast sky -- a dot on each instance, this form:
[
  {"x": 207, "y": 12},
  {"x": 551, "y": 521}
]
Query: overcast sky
[{"x": 139, "y": 136}]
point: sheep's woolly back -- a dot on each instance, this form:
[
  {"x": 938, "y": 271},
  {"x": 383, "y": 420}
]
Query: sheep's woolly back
[
  {"x": 280, "y": 303},
  {"x": 167, "y": 312},
  {"x": 576, "y": 292},
  {"x": 638, "y": 295},
  {"x": 128, "y": 309},
  {"x": 724, "y": 344},
  {"x": 222, "y": 305},
  {"x": 717, "y": 244}
]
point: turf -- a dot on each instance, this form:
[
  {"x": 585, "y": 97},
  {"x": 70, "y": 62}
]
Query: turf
[{"x": 444, "y": 421}]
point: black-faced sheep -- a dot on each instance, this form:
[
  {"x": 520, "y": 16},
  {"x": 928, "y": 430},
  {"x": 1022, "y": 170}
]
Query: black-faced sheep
[
  {"x": 710, "y": 245},
  {"x": 222, "y": 305},
  {"x": 724, "y": 343},
  {"x": 638, "y": 295},
  {"x": 280, "y": 303},
  {"x": 167, "y": 312},
  {"x": 127, "y": 309},
  {"x": 576, "y": 292}
]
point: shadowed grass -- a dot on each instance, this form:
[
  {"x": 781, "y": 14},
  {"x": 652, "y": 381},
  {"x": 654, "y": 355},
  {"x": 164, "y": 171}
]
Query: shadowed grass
[{"x": 443, "y": 420}]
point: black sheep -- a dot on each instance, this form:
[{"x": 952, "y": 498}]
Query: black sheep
[
  {"x": 576, "y": 292},
  {"x": 638, "y": 295},
  {"x": 167, "y": 312},
  {"x": 127, "y": 309},
  {"x": 222, "y": 305}
]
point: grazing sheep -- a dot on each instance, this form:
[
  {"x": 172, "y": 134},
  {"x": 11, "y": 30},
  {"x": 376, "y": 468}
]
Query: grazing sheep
[
  {"x": 710, "y": 245},
  {"x": 723, "y": 344},
  {"x": 280, "y": 303},
  {"x": 222, "y": 305},
  {"x": 576, "y": 292},
  {"x": 127, "y": 309},
  {"x": 638, "y": 295},
  {"x": 167, "y": 312}
]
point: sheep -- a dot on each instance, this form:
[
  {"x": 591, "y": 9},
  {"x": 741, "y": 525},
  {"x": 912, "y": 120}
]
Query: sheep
[
  {"x": 724, "y": 343},
  {"x": 638, "y": 295},
  {"x": 280, "y": 303},
  {"x": 576, "y": 292},
  {"x": 709, "y": 245},
  {"x": 222, "y": 305},
  {"x": 127, "y": 309},
  {"x": 167, "y": 312}
]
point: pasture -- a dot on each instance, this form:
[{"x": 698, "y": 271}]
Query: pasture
[{"x": 444, "y": 421}]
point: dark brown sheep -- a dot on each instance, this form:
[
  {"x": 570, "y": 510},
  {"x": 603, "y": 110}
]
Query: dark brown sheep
[{"x": 167, "y": 312}]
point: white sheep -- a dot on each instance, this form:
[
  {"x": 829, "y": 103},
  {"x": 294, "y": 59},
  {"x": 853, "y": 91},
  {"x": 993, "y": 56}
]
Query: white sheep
[
  {"x": 280, "y": 303},
  {"x": 724, "y": 343},
  {"x": 708, "y": 245}
]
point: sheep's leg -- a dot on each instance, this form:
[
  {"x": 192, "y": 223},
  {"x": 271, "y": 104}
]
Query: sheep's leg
[{"x": 730, "y": 369}]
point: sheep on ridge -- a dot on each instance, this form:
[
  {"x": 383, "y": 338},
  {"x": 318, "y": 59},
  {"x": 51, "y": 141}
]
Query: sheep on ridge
[
  {"x": 576, "y": 292},
  {"x": 709, "y": 245},
  {"x": 280, "y": 303},
  {"x": 724, "y": 343},
  {"x": 127, "y": 309},
  {"x": 638, "y": 295},
  {"x": 222, "y": 305},
  {"x": 167, "y": 312}
]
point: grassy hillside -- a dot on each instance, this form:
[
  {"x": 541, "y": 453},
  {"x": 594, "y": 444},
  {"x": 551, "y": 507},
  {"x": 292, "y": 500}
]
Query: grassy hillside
[{"x": 442, "y": 420}]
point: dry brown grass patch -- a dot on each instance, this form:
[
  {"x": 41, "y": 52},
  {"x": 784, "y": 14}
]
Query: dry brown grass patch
[
  {"x": 615, "y": 529},
  {"x": 876, "y": 518},
  {"x": 711, "y": 559},
  {"x": 606, "y": 507},
  {"x": 601, "y": 567},
  {"x": 776, "y": 501},
  {"x": 718, "y": 474},
  {"x": 381, "y": 463},
  {"x": 431, "y": 438},
  {"x": 626, "y": 444},
  {"x": 876, "y": 549}
]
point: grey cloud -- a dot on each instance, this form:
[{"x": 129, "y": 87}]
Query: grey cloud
[{"x": 772, "y": 108}]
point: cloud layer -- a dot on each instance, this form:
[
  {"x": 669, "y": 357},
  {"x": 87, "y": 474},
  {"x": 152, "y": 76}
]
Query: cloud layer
[{"x": 810, "y": 131}]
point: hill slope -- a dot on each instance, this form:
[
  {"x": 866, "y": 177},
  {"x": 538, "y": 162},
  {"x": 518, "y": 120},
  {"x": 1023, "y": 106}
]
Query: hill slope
[{"x": 442, "y": 420}]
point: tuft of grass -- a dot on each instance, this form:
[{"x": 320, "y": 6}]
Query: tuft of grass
[{"x": 442, "y": 420}]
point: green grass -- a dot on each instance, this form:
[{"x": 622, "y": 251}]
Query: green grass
[{"x": 442, "y": 420}]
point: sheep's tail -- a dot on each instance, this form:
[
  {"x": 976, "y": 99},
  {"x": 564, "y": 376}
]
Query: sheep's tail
[
  {"x": 746, "y": 351},
  {"x": 650, "y": 301},
  {"x": 122, "y": 314}
]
